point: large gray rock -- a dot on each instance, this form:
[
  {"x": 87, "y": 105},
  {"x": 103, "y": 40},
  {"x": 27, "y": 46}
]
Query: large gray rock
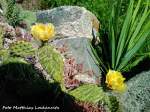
[
  {"x": 74, "y": 26},
  {"x": 70, "y": 21},
  {"x": 137, "y": 97},
  {"x": 80, "y": 63}
]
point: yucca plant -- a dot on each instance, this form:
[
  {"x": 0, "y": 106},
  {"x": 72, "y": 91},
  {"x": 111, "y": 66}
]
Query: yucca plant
[{"x": 125, "y": 39}]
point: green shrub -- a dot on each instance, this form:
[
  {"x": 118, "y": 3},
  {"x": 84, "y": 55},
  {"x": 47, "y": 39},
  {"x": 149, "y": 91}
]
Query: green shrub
[
  {"x": 11, "y": 11},
  {"x": 126, "y": 36}
]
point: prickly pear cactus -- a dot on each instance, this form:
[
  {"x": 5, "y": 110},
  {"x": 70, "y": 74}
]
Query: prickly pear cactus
[
  {"x": 22, "y": 49},
  {"x": 52, "y": 62},
  {"x": 93, "y": 94}
]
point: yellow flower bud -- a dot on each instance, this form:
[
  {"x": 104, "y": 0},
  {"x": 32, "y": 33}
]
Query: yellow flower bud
[
  {"x": 115, "y": 81},
  {"x": 43, "y": 32}
]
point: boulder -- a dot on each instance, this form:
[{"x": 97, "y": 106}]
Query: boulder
[
  {"x": 80, "y": 63},
  {"x": 74, "y": 26},
  {"x": 137, "y": 96},
  {"x": 70, "y": 21}
]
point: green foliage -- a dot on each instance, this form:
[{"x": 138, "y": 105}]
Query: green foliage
[
  {"x": 22, "y": 49},
  {"x": 3, "y": 5},
  {"x": 127, "y": 37},
  {"x": 32, "y": 5},
  {"x": 93, "y": 94},
  {"x": 113, "y": 104},
  {"x": 11, "y": 11},
  {"x": 14, "y": 17},
  {"x": 1, "y": 38},
  {"x": 52, "y": 62},
  {"x": 28, "y": 16},
  {"x": 4, "y": 53},
  {"x": 145, "y": 50}
]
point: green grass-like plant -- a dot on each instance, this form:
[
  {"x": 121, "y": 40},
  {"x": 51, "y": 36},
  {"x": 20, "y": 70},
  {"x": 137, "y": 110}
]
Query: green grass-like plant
[{"x": 126, "y": 38}]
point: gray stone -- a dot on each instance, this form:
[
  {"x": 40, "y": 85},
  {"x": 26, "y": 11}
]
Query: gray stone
[
  {"x": 74, "y": 26},
  {"x": 137, "y": 97},
  {"x": 83, "y": 65},
  {"x": 70, "y": 21}
]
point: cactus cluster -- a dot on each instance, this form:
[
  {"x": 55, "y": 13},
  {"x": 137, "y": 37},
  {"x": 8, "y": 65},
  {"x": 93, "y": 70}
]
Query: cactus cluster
[
  {"x": 22, "y": 49},
  {"x": 52, "y": 62},
  {"x": 11, "y": 11}
]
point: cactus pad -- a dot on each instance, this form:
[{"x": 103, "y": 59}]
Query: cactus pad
[
  {"x": 52, "y": 62},
  {"x": 91, "y": 93},
  {"x": 22, "y": 49}
]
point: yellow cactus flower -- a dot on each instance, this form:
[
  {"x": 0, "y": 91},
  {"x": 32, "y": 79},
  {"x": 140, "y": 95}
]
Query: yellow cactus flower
[
  {"x": 43, "y": 32},
  {"x": 115, "y": 81}
]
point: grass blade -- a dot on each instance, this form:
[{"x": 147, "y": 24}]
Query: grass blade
[
  {"x": 142, "y": 38},
  {"x": 112, "y": 37},
  {"x": 133, "y": 63},
  {"x": 124, "y": 33},
  {"x": 138, "y": 28}
]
